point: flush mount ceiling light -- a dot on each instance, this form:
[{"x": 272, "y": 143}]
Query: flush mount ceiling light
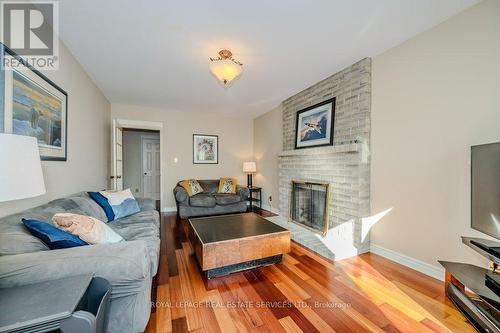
[{"x": 225, "y": 68}]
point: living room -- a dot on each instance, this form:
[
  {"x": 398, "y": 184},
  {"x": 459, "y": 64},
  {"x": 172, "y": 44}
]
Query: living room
[{"x": 328, "y": 166}]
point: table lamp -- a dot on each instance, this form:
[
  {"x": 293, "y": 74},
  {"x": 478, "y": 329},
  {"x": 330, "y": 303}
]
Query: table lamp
[
  {"x": 20, "y": 168},
  {"x": 249, "y": 168}
]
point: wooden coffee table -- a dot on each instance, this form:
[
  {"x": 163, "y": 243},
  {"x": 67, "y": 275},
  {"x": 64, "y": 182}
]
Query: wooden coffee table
[{"x": 232, "y": 243}]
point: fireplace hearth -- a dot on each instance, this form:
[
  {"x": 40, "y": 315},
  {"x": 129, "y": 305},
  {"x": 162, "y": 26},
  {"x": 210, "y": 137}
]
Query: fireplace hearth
[{"x": 309, "y": 203}]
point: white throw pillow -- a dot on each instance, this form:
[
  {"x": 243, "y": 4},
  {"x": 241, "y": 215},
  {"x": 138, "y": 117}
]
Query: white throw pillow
[
  {"x": 88, "y": 228},
  {"x": 116, "y": 198},
  {"x": 122, "y": 203}
]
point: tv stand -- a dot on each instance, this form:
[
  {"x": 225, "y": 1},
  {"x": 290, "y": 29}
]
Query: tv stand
[{"x": 481, "y": 306}]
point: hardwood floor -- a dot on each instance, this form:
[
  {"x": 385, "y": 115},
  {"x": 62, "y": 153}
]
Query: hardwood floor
[{"x": 306, "y": 293}]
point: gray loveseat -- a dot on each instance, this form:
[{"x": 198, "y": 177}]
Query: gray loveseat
[
  {"x": 129, "y": 266},
  {"x": 210, "y": 202}
]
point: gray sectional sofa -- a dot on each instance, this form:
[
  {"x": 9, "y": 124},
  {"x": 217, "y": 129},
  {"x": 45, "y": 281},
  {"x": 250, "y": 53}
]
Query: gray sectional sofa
[
  {"x": 129, "y": 266},
  {"x": 210, "y": 202}
]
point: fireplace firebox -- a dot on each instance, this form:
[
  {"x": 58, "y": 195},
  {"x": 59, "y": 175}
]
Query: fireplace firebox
[{"x": 309, "y": 205}]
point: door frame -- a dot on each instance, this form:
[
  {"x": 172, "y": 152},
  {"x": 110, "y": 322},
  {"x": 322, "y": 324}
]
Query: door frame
[
  {"x": 139, "y": 125},
  {"x": 148, "y": 137}
]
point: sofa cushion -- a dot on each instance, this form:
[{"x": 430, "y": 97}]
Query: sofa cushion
[
  {"x": 145, "y": 217},
  {"x": 16, "y": 239},
  {"x": 136, "y": 231},
  {"x": 202, "y": 200},
  {"x": 87, "y": 205},
  {"x": 190, "y": 211},
  {"x": 209, "y": 186},
  {"x": 53, "y": 237},
  {"x": 146, "y": 204},
  {"x": 227, "y": 199},
  {"x": 20, "y": 241},
  {"x": 144, "y": 225}
]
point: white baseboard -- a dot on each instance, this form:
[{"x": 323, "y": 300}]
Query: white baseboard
[
  {"x": 169, "y": 209},
  {"x": 271, "y": 209},
  {"x": 418, "y": 265}
]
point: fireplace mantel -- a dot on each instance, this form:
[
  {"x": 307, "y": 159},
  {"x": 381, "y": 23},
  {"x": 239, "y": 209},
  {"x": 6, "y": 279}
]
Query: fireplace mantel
[{"x": 342, "y": 148}]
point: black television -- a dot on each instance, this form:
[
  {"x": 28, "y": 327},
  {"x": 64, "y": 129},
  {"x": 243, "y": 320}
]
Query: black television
[{"x": 485, "y": 188}]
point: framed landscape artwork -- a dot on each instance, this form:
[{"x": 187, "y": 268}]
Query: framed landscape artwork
[
  {"x": 32, "y": 105},
  {"x": 314, "y": 126},
  {"x": 205, "y": 149}
]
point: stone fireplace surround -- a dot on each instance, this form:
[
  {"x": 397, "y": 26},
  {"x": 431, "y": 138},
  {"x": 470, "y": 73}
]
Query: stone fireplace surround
[{"x": 345, "y": 165}]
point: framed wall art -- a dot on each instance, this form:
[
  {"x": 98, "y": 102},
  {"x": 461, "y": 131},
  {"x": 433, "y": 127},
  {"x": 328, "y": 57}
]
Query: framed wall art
[
  {"x": 314, "y": 125},
  {"x": 205, "y": 149},
  {"x": 33, "y": 105}
]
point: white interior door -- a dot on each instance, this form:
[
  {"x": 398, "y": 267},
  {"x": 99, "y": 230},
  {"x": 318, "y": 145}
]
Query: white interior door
[
  {"x": 116, "y": 179},
  {"x": 151, "y": 168}
]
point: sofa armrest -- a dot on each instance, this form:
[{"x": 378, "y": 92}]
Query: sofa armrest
[
  {"x": 146, "y": 204},
  {"x": 243, "y": 192},
  {"x": 180, "y": 194},
  {"x": 124, "y": 265}
]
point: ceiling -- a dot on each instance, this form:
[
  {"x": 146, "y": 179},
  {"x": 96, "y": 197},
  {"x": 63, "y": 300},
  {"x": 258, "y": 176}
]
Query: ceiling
[{"x": 155, "y": 53}]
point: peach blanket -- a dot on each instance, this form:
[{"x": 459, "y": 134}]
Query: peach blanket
[{"x": 88, "y": 228}]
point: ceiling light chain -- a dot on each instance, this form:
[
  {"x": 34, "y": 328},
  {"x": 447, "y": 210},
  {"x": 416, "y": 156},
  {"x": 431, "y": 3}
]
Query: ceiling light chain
[{"x": 226, "y": 54}]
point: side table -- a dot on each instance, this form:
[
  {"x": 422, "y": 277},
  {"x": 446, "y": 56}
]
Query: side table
[
  {"x": 73, "y": 304},
  {"x": 253, "y": 190}
]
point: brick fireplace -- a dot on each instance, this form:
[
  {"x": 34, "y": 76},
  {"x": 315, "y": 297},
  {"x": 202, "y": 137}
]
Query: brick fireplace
[{"x": 345, "y": 166}]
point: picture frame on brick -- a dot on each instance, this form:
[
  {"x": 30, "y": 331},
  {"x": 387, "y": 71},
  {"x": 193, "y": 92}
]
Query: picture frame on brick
[{"x": 314, "y": 125}]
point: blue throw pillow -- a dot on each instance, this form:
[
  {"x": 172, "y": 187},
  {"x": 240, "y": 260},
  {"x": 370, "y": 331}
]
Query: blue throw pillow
[
  {"x": 116, "y": 204},
  {"x": 127, "y": 207},
  {"x": 53, "y": 237},
  {"x": 102, "y": 201}
]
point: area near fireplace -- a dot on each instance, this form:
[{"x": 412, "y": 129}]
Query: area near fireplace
[
  {"x": 309, "y": 202},
  {"x": 345, "y": 166}
]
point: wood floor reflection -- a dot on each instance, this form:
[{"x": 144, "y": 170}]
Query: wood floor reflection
[{"x": 305, "y": 293}]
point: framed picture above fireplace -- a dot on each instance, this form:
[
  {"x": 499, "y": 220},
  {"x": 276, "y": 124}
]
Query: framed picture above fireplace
[{"x": 314, "y": 125}]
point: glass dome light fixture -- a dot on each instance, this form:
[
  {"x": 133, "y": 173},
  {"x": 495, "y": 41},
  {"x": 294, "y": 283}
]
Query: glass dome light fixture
[{"x": 225, "y": 68}]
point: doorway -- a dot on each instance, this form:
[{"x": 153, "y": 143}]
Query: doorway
[
  {"x": 137, "y": 158},
  {"x": 150, "y": 172}
]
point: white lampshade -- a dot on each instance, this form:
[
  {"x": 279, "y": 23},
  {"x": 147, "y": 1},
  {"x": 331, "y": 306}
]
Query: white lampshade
[
  {"x": 20, "y": 168},
  {"x": 249, "y": 167}
]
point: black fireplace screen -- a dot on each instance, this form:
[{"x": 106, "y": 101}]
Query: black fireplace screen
[{"x": 309, "y": 205}]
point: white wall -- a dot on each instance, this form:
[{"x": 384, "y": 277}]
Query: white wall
[
  {"x": 267, "y": 144},
  {"x": 235, "y": 144},
  {"x": 433, "y": 97},
  {"x": 88, "y": 138},
  {"x": 132, "y": 160}
]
